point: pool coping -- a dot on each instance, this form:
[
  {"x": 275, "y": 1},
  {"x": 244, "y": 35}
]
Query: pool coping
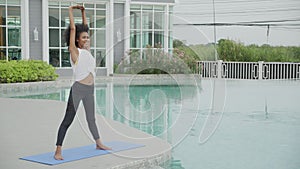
[{"x": 122, "y": 79}]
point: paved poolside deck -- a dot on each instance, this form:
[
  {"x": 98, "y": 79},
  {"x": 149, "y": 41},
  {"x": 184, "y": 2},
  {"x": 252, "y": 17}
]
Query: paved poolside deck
[{"x": 29, "y": 127}]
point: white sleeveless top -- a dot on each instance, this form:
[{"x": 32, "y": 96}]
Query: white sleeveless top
[{"x": 85, "y": 65}]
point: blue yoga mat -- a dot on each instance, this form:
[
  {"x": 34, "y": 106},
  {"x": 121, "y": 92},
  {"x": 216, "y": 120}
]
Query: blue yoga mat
[{"x": 78, "y": 153}]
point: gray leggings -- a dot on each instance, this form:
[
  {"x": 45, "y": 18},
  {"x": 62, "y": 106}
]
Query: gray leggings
[{"x": 86, "y": 94}]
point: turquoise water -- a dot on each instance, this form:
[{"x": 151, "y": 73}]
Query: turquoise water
[{"x": 258, "y": 127}]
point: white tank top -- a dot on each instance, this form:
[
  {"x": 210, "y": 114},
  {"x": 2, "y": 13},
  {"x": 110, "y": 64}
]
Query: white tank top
[{"x": 85, "y": 65}]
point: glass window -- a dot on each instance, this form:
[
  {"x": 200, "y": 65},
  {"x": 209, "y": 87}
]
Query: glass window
[
  {"x": 159, "y": 20},
  {"x": 170, "y": 36},
  {"x": 147, "y": 39},
  {"x": 92, "y": 38},
  {"x": 59, "y": 21},
  {"x": 54, "y": 57},
  {"x": 154, "y": 23},
  {"x": 159, "y": 8},
  {"x": 54, "y": 37},
  {"x": 10, "y": 30},
  {"x": 66, "y": 4},
  {"x": 14, "y": 36},
  {"x": 65, "y": 58},
  {"x": 171, "y": 21},
  {"x": 101, "y": 6},
  {"x": 156, "y": 28},
  {"x": 13, "y": 2},
  {"x": 171, "y": 8},
  {"x": 53, "y": 3},
  {"x": 135, "y": 7},
  {"x": 158, "y": 39},
  {"x": 100, "y": 18},
  {"x": 62, "y": 39},
  {"x": 3, "y": 38},
  {"x": 100, "y": 35},
  {"x": 135, "y": 20},
  {"x": 89, "y": 13},
  {"x": 147, "y": 20},
  {"x": 14, "y": 16},
  {"x": 135, "y": 39},
  {"x": 147, "y": 7},
  {"x": 2, "y": 53},
  {"x": 14, "y": 53},
  {"x": 64, "y": 16},
  {"x": 100, "y": 57},
  {"x": 89, "y": 6},
  {"x": 2, "y": 15},
  {"x": 54, "y": 17}
]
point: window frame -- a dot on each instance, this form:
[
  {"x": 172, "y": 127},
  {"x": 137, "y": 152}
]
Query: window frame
[
  {"x": 12, "y": 51},
  {"x": 165, "y": 30},
  {"x": 96, "y": 8}
]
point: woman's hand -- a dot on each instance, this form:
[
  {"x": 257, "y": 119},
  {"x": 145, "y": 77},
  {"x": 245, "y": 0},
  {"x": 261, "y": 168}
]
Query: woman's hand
[
  {"x": 81, "y": 7},
  {"x": 77, "y": 7}
]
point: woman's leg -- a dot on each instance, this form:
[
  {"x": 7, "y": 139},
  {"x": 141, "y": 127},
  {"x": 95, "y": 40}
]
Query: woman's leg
[
  {"x": 72, "y": 106},
  {"x": 89, "y": 106}
]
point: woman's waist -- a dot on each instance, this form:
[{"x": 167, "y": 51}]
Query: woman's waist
[
  {"x": 81, "y": 87},
  {"x": 88, "y": 80}
]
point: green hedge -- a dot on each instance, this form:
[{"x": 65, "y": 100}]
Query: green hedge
[
  {"x": 26, "y": 71},
  {"x": 229, "y": 50}
]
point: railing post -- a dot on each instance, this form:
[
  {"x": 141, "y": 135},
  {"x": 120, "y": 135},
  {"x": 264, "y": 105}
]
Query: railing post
[
  {"x": 260, "y": 70},
  {"x": 219, "y": 71}
]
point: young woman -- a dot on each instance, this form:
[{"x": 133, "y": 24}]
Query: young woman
[{"x": 83, "y": 65}]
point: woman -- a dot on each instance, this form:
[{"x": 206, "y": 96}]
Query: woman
[{"x": 83, "y": 65}]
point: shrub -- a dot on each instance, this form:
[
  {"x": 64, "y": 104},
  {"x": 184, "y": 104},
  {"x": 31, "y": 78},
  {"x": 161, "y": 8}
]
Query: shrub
[
  {"x": 152, "y": 61},
  {"x": 26, "y": 71}
]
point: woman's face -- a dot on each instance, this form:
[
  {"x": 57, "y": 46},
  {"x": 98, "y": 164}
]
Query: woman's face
[{"x": 84, "y": 40}]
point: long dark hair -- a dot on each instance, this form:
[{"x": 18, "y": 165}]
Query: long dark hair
[{"x": 79, "y": 29}]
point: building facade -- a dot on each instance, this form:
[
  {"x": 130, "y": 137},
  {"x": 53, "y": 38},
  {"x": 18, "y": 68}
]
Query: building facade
[{"x": 35, "y": 30}]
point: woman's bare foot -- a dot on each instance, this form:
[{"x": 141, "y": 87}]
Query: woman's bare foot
[
  {"x": 57, "y": 155},
  {"x": 101, "y": 146}
]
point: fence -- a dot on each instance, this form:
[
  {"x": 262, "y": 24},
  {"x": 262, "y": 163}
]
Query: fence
[{"x": 249, "y": 70}]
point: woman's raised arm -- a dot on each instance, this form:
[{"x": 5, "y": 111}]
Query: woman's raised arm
[
  {"x": 72, "y": 47},
  {"x": 84, "y": 21}
]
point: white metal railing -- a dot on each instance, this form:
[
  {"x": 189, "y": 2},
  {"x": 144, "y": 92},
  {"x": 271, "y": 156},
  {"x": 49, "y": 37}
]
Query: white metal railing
[{"x": 249, "y": 70}]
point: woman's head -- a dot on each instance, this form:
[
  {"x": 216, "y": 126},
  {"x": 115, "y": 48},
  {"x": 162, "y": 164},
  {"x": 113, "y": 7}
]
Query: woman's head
[{"x": 81, "y": 36}]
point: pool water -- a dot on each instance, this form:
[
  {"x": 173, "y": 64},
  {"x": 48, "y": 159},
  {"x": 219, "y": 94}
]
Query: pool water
[{"x": 258, "y": 127}]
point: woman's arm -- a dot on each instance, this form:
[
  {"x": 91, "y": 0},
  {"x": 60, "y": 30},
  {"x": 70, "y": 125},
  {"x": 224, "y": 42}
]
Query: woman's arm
[
  {"x": 84, "y": 21},
  {"x": 72, "y": 48}
]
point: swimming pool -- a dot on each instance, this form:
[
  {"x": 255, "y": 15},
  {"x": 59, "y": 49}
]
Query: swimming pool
[{"x": 259, "y": 126}]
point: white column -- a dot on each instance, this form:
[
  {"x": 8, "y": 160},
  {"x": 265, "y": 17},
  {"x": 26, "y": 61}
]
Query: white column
[
  {"x": 166, "y": 29},
  {"x": 110, "y": 30},
  {"x": 127, "y": 26},
  {"x": 45, "y": 31},
  {"x": 25, "y": 29}
]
